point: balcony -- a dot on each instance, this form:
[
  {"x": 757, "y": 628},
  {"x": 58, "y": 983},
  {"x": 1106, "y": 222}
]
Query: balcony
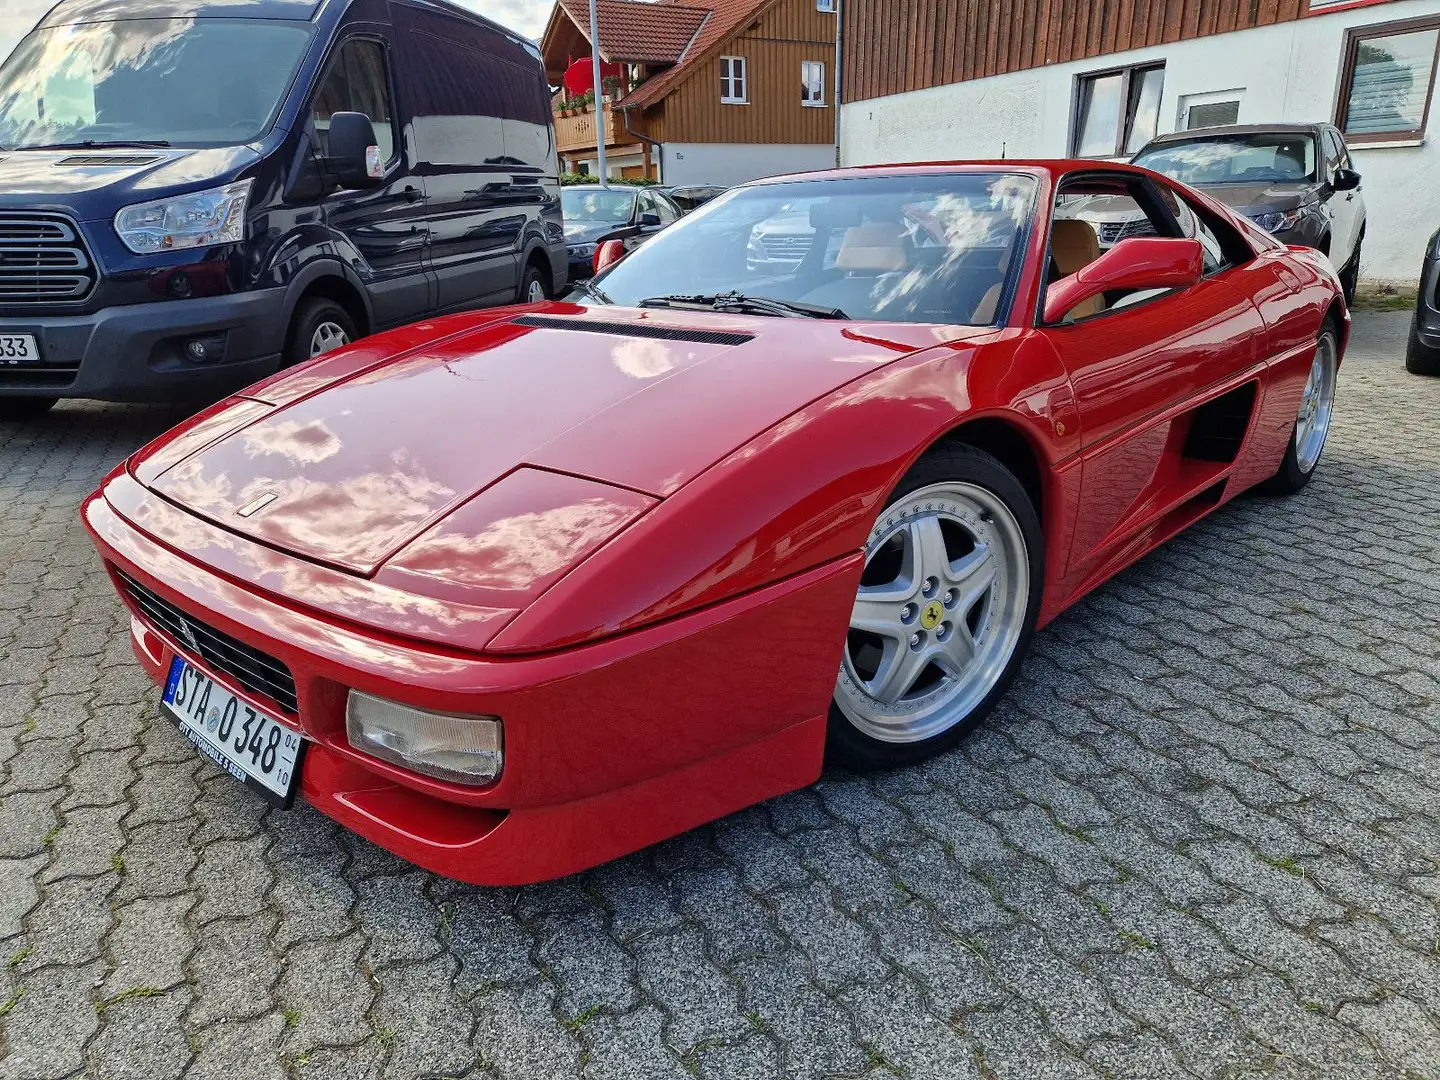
[{"x": 578, "y": 131}]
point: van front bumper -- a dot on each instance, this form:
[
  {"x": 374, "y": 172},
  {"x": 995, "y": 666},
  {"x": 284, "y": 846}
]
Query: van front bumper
[{"x": 136, "y": 352}]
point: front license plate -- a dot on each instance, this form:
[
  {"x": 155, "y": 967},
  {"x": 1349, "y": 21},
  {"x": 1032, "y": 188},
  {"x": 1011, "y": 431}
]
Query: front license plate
[
  {"x": 18, "y": 349},
  {"x": 250, "y": 746}
]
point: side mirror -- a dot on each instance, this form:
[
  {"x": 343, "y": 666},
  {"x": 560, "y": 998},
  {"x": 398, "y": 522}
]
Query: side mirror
[
  {"x": 650, "y": 221},
  {"x": 608, "y": 254},
  {"x": 1345, "y": 180},
  {"x": 353, "y": 154},
  {"x": 1141, "y": 262}
]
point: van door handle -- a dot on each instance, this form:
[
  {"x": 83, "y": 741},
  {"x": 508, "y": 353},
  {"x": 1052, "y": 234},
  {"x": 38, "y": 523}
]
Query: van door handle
[{"x": 411, "y": 193}]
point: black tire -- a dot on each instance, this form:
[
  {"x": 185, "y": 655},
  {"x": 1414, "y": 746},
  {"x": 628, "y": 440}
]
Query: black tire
[
  {"x": 1350, "y": 273},
  {"x": 533, "y": 276},
  {"x": 1290, "y": 478},
  {"x": 310, "y": 315},
  {"x": 852, "y": 748},
  {"x": 1420, "y": 359},
  {"x": 25, "y": 408}
]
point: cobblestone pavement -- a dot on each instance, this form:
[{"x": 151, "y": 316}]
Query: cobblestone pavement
[{"x": 1202, "y": 838}]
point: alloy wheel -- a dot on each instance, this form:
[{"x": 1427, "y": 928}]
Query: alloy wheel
[
  {"x": 535, "y": 291},
  {"x": 940, "y": 610},
  {"x": 1316, "y": 404},
  {"x": 327, "y": 336}
]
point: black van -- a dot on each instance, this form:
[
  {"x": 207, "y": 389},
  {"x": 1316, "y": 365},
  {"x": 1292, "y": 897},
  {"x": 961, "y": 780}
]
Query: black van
[{"x": 195, "y": 193}]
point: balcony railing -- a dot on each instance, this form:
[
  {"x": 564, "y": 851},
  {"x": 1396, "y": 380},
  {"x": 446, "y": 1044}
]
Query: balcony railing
[{"x": 578, "y": 131}]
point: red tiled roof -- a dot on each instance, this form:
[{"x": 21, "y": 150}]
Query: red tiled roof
[
  {"x": 632, "y": 31},
  {"x": 724, "y": 19}
]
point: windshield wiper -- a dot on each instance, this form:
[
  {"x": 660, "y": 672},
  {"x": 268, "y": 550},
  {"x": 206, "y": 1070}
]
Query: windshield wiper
[
  {"x": 589, "y": 288},
  {"x": 101, "y": 144},
  {"x": 738, "y": 302}
]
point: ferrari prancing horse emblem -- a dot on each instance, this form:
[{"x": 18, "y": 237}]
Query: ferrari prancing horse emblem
[{"x": 930, "y": 617}]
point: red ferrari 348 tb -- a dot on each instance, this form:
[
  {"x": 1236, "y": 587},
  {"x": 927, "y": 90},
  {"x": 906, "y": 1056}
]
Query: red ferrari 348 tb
[{"x": 514, "y": 592}]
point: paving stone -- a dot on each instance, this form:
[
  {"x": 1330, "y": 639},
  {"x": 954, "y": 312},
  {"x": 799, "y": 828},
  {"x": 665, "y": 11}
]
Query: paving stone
[
  {"x": 149, "y": 943},
  {"x": 141, "y": 1039}
]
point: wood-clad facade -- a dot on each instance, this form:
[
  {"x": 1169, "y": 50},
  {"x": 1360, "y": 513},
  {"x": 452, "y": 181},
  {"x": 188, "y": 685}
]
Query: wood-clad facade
[
  {"x": 774, "y": 47},
  {"x": 893, "y": 46}
]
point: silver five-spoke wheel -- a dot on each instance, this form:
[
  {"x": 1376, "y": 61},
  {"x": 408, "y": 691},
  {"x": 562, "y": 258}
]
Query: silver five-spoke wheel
[
  {"x": 327, "y": 336},
  {"x": 535, "y": 291},
  {"x": 1316, "y": 404},
  {"x": 942, "y": 605}
]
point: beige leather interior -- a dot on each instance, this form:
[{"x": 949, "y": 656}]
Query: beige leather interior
[
  {"x": 876, "y": 249},
  {"x": 985, "y": 310},
  {"x": 1074, "y": 245}
]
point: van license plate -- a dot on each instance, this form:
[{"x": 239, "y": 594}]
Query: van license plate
[
  {"x": 250, "y": 746},
  {"x": 19, "y": 349}
]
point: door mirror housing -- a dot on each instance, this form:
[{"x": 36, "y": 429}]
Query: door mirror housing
[
  {"x": 1141, "y": 262},
  {"x": 608, "y": 254},
  {"x": 1345, "y": 180},
  {"x": 353, "y": 154},
  {"x": 649, "y": 220}
]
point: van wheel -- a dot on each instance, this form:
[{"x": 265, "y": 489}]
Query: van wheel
[
  {"x": 319, "y": 326},
  {"x": 25, "y": 408},
  {"x": 533, "y": 287}
]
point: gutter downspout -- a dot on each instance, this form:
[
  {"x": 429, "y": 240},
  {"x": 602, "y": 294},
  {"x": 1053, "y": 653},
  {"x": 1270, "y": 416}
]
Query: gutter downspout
[
  {"x": 659, "y": 147},
  {"x": 839, "y": 57}
]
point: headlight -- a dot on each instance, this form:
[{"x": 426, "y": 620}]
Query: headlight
[
  {"x": 463, "y": 749},
  {"x": 200, "y": 219},
  {"x": 582, "y": 251},
  {"x": 1280, "y": 220}
]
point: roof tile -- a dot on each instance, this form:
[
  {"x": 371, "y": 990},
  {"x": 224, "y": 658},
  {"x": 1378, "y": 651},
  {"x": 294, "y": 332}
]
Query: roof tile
[{"x": 633, "y": 31}]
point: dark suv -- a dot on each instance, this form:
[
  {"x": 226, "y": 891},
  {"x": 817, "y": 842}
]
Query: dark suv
[
  {"x": 1294, "y": 180},
  {"x": 195, "y": 193}
]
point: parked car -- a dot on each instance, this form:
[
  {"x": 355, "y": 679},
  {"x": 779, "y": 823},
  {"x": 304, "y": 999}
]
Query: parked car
[
  {"x": 1422, "y": 352},
  {"x": 1293, "y": 180},
  {"x": 690, "y": 197},
  {"x": 615, "y": 568},
  {"x": 595, "y": 213},
  {"x": 189, "y": 203}
]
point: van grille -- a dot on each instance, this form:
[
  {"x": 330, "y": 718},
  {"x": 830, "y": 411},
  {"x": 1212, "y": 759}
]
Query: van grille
[
  {"x": 43, "y": 260},
  {"x": 256, "y": 671}
]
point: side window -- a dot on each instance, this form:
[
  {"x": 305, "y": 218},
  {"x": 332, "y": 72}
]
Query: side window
[
  {"x": 645, "y": 204},
  {"x": 1193, "y": 227},
  {"x": 665, "y": 208},
  {"x": 357, "y": 81}
]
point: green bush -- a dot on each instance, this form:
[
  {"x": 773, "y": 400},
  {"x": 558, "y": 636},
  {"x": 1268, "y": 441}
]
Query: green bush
[{"x": 585, "y": 178}]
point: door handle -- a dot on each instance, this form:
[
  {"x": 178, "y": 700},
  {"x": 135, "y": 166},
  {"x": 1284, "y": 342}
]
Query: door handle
[{"x": 410, "y": 193}]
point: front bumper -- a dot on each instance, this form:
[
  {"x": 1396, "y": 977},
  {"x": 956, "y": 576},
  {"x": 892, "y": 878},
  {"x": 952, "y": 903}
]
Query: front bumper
[
  {"x": 608, "y": 748},
  {"x": 134, "y": 352},
  {"x": 1427, "y": 304}
]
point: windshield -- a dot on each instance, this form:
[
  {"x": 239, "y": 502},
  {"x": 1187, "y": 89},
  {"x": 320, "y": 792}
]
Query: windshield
[
  {"x": 186, "y": 82},
  {"x": 597, "y": 205},
  {"x": 901, "y": 248},
  {"x": 1235, "y": 159}
]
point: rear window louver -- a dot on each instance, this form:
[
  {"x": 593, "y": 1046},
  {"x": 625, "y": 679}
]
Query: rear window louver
[
  {"x": 82, "y": 160},
  {"x": 639, "y": 330}
]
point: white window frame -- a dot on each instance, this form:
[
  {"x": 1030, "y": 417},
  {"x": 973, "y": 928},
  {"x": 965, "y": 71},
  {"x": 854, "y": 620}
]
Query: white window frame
[
  {"x": 1215, "y": 97},
  {"x": 825, "y": 5},
  {"x": 817, "y": 103},
  {"x": 734, "y": 71}
]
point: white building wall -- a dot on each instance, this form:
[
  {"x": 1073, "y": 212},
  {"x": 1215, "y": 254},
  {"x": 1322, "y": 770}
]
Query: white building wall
[
  {"x": 1289, "y": 73},
  {"x": 737, "y": 163}
]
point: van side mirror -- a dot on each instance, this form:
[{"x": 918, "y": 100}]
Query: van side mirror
[
  {"x": 649, "y": 220},
  {"x": 608, "y": 254},
  {"x": 353, "y": 154},
  {"x": 1140, "y": 262},
  {"x": 1345, "y": 180}
]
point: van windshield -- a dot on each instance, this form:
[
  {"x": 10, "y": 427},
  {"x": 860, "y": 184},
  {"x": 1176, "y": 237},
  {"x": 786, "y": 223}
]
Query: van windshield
[{"x": 182, "y": 82}]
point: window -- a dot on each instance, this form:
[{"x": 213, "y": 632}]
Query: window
[
  {"x": 1116, "y": 112},
  {"x": 812, "y": 83},
  {"x": 733, "y": 89},
  {"x": 1210, "y": 110},
  {"x": 1196, "y": 229},
  {"x": 357, "y": 82},
  {"x": 667, "y": 210},
  {"x": 1386, "y": 80},
  {"x": 824, "y": 5}
]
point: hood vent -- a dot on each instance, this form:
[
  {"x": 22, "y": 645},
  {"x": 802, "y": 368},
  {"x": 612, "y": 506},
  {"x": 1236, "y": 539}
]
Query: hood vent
[
  {"x": 94, "y": 160},
  {"x": 635, "y": 329}
]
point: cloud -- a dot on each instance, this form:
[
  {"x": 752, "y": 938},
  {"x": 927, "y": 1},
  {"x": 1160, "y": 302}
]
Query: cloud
[{"x": 526, "y": 17}]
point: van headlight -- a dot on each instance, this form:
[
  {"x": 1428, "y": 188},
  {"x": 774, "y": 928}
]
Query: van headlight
[
  {"x": 200, "y": 219},
  {"x": 461, "y": 749}
]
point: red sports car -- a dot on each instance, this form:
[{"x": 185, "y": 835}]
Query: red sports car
[{"x": 514, "y": 592}]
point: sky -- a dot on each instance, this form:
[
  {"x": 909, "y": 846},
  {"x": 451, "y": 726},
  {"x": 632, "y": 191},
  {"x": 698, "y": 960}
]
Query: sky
[{"x": 525, "y": 16}]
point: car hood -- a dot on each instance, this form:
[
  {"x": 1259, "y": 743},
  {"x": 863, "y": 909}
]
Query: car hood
[
  {"x": 1253, "y": 199},
  {"x": 355, "y": 456},
  {"x": 95, "y": 183},
  {"x": 587, "y": 232}
]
